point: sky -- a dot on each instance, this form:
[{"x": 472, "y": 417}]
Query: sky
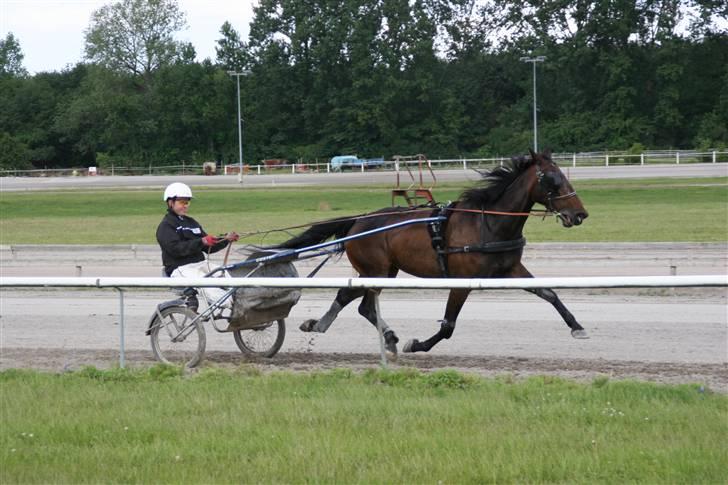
[{"x": 51, "y": 37}]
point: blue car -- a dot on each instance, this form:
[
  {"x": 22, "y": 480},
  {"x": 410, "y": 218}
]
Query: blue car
[{"x": 343, "y": 162}]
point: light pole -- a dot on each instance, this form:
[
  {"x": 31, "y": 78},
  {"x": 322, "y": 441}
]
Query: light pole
[
  {"x": 240, "y": 124},
  {"x": 533, "y": 61}
]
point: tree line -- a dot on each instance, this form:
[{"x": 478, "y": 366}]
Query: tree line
[{"x": 375, "y": 78}]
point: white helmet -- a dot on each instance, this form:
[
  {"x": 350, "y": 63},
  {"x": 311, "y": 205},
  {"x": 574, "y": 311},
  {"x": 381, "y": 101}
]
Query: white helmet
[{"x": 175, "y": 190}]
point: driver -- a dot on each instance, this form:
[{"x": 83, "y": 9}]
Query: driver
[{"x": 184, "y": 242}]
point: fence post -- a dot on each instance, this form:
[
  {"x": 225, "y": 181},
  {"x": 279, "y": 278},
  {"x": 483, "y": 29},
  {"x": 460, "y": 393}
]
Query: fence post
[
  {"x": 713, "y": 156},
  {"x": 465, "y": 164},
  {"x": 677, "y": 158},
  {"x": 642, "y": 158},
  {"x": 573, "y": 162},
  {"x": 122, "y": 359},
  {"x": 607, "y": 160},
  {"x": 293, "y": 168}
]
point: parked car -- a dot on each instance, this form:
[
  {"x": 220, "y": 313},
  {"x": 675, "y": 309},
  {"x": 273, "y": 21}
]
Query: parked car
[{"x": 343, "y": 162}]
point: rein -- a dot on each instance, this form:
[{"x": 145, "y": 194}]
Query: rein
[
  {"x": 498, "y": 213},
  {"x": 543, "y": 213}
]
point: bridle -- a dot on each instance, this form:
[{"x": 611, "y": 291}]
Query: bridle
[{"x": 550, "y": 197}]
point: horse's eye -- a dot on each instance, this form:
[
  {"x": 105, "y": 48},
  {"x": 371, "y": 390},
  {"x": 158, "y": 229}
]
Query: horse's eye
[{"x": 552, "y": 180}]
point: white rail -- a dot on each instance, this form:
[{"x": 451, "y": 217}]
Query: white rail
[
  {"x": 400, "y": 283},
  {"x": 396, "y": 283}
]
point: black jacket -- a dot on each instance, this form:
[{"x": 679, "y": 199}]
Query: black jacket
[{"x": 180, "y": 238}]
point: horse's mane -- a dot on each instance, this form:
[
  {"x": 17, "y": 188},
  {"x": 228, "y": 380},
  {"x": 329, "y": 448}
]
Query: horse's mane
[{"x": 495, "y": 182}]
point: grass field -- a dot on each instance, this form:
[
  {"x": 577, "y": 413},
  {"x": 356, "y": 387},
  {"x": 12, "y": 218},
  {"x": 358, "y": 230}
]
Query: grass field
[
  {"x": 692, "y": 210},
  {"x": 238, "y": 426}
]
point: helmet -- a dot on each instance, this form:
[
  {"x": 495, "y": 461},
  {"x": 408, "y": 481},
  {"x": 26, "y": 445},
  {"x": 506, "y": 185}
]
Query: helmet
[{"x": 175, "y": 190}]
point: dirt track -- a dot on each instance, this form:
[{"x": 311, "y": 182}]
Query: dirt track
[{"x": 671, "y": 336}]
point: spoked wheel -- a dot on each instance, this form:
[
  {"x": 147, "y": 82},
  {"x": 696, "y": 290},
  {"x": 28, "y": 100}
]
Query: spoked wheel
[
  {"x": 265, "y": 340},
  {"x": 178, "y": 339}
]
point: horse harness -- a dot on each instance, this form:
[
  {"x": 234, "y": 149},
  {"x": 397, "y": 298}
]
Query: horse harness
[{"x": 437, "y": 229}]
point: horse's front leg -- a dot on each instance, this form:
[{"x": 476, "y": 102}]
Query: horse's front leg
[
  {"x": 447, "y": 326},
  {"x": 343, "y": 298},
  {"x": 577, "y": 331},
  {"x": 369, "y": 309}
]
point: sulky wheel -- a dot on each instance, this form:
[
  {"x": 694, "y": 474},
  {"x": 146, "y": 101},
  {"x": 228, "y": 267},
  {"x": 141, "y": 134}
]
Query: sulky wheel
[
  {"x": 264, "y": 340},
  {"x": 179, "y": 339}
]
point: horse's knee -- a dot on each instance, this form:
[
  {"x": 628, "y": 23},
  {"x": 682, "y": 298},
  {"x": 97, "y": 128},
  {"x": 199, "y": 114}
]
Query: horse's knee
[
  {"x": 367, "y": 312},
  {"x": 446, "y": 328},
  {"x": 347, "y": 295}
]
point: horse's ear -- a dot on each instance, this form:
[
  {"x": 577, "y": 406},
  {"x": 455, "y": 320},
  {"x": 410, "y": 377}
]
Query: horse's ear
[
  {"x": 533, "y": 154},
  {"x": 547, "y": 153}
]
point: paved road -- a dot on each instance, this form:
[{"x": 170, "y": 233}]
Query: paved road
[
  {"x": 8, "y": 184},
  {"x": 542, "y": 259}
]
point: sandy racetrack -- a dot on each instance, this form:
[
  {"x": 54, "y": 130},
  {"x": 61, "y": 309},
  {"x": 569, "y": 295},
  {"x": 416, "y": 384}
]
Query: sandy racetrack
[{"x": 673, "y": 336}]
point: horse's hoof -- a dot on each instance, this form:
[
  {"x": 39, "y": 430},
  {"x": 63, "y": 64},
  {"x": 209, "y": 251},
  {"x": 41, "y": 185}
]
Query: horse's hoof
[
  {"x": 307, "y": 326},
  {"x": 391, "y": 349},
  {"x": 580, "y": 334},
  {"x": 409, "y": 346}
]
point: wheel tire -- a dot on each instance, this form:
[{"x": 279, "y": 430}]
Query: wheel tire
[
  {"x": 190, "y": 351},
  {"x": 264, "y": 341}
]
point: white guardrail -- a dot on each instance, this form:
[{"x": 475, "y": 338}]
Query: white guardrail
[
  {"x": 119, "y": 283},
  {"x": 582, "y": 159}
]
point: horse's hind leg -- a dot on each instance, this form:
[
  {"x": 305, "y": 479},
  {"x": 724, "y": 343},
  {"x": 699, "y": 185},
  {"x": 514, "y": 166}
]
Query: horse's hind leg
[
  {"x": 343, "y": 298},
  {"x": 577, "y": 331},
  {"x": 369, "y": 309},
  {"x": 454, "y": 304}
]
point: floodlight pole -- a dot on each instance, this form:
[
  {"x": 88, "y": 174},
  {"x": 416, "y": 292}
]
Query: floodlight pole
[
  {"x": 240, "y": 125},
  {"x": 533, "y": 61}
]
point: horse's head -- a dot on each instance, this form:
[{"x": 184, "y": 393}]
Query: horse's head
[{"x": 553, "y": 190}]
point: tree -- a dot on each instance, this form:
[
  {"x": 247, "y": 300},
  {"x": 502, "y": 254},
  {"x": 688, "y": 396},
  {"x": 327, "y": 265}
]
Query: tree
[
  {"x": 231, "y": 50},
  {"x": 11, "y": 57},
  {"x": 13, "y": 153},
  {"x": 135, "y": 36}
]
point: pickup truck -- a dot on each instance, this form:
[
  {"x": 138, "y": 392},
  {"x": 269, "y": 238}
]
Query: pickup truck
[{"x": 343, "y": 162}]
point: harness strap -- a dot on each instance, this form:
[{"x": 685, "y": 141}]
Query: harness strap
[
  {"x": 436, "y": 230},
  {"x": 317, "y": 268},
  {"x": 490, "y": 247}
]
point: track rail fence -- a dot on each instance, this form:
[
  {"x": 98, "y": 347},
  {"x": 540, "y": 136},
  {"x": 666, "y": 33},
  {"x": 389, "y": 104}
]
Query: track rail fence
[
  {"x": 119, "y": 284},
  {"x": 582, "y": 159}
]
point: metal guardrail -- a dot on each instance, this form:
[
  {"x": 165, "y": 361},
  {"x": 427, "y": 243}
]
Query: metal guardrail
[{"x": 404, "y": 283}]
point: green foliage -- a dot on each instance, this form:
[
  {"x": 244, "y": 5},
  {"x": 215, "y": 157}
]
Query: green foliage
[
  {"x": 378, "y": 78},
  {"x": 13, "y": 153},
  {"x": 11, "y": 57},
  {"x": 135, "y": 36},
  {"x": 400, "y": 425}
]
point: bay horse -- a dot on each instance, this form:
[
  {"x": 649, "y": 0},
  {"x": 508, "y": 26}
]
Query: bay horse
[{"x": 482, "y": 237}]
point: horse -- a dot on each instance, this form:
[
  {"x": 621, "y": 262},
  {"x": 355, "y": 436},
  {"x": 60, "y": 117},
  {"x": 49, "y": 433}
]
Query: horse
[{"x": 478, "y": 236}]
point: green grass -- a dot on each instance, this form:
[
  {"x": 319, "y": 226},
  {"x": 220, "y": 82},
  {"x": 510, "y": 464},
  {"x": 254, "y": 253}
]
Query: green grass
[
  {"x": 626, "y": 210},
  {"x": 222, "y": 426}
]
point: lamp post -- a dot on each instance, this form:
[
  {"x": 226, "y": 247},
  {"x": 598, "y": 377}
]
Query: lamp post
[
  {"x": 533, "y": 61},
  {"x": 240, "y": 124}
]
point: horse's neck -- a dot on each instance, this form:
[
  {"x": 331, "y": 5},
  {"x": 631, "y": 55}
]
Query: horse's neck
[{"x": 516, "y": 199}]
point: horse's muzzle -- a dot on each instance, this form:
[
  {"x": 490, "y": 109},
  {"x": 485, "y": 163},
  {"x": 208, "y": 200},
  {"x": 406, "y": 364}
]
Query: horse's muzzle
[{"x": 572, "y": 218}]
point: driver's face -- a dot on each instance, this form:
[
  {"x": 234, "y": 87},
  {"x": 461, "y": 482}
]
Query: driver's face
[{"x": 181, "y": 206}]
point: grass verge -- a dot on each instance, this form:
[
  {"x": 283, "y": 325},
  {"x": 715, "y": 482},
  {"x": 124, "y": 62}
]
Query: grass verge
[
  {"x": 221, "y": 426},
  {"x": 631, "y": 210}
]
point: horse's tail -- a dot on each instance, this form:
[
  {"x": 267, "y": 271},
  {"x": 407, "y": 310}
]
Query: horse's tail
[{"x": 318, "y": 233}]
